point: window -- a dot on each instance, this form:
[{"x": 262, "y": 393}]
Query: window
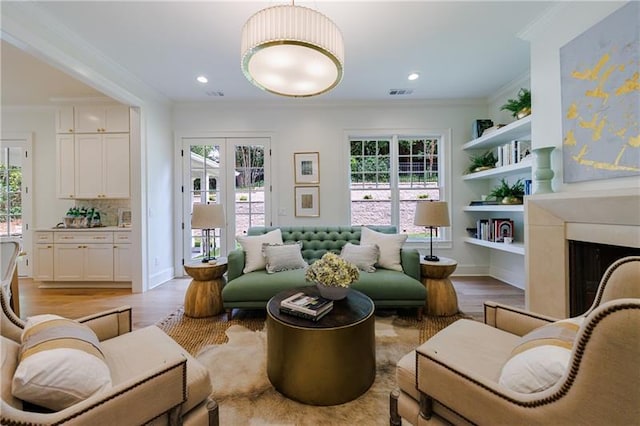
[
  {"x": 11, "y": 194},
  {"x": 389, "y": 175}
]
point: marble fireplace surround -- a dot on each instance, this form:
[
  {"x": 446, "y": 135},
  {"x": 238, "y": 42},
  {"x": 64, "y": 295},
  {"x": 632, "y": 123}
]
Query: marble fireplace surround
[{"x": 607, "y": 217}]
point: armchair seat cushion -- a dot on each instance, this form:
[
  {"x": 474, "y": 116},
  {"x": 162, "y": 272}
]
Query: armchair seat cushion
[
  {"x": 466, "y": 347},
  {"x": 133, "y": 353}
]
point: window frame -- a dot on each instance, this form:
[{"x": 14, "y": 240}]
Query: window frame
[{"x": 444, "y": 238}]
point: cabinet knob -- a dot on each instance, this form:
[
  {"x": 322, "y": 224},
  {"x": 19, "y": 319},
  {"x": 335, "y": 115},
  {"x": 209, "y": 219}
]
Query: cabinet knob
[{"x": 70, "y": 130}]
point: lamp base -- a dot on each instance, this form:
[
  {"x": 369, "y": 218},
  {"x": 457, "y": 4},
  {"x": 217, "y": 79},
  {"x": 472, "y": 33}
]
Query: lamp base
[{"x": 432, "y": 258}]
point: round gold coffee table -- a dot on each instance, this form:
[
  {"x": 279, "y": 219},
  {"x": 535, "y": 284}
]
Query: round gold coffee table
[
  {"x": 204, "y": 294},
  {"x": 328, "y": 362}
]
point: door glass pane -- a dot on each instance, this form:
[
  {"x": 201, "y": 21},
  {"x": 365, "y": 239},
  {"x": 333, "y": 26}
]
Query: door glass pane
[
  {"x": 249, "y": 187},
  {"x": 11, "y": 192},
  {"x": 204, "y": 181}
]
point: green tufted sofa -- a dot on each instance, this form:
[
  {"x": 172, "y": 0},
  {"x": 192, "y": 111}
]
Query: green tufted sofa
[{"x": 388, "y": 289}]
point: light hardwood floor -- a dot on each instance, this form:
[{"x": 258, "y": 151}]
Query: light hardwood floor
[{"x": 154, "y": 305}]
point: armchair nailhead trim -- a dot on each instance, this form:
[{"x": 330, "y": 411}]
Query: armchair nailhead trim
[
  {"x": 575, "y": 367},
  {"x": 8, "y": 312},
  {"x": 605, "y": 279}
]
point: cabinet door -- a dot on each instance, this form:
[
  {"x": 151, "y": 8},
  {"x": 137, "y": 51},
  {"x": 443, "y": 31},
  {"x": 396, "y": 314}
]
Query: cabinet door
[
  {"x": 122, "y": 262},
  {"x": 68, "y": 262},
  {"x": 98, "y": 262},
  {"x": 43, "y": 262},
  {"x": 89, "y": 119},
  {"x": 89, "y": 166},
  {"x": 65, "y": 166},
  {"x": 116, "y": 119},
  {"x": 64, "y": 120},
  {"x": 116, "y": 166}
]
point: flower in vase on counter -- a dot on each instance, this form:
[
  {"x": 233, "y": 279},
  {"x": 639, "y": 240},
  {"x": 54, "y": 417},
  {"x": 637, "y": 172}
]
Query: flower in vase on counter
[{"x": 332, "y": 271}]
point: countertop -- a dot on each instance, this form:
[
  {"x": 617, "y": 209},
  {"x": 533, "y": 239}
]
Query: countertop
[{"x": 98, "y": 229}]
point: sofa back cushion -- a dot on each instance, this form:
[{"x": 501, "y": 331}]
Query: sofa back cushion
[{"x": 318, "y": 240}]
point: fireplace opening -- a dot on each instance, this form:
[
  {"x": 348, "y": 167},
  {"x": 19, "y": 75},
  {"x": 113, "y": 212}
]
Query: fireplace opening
[{"x": 587, "y": 264}]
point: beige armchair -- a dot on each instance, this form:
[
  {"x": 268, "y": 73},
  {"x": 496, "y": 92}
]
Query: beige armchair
[
  {"x": 453, "y": 377},
  {"x": 154, "y": 379}
]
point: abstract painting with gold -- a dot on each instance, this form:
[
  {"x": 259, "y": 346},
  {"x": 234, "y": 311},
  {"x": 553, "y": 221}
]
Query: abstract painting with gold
[{"x": 601, "y": 99}]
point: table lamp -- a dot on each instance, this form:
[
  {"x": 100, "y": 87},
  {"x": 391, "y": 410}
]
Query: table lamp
[
  {"x": 208, "y": 217},
  {"x": 431, "y": 214}
]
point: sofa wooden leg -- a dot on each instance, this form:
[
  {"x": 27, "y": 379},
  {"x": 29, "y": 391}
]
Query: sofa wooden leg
[
  {"x": 229, "y": 314},
  {"x": 214, "y": 415},
  {"x": 394, "y": 417},
  {"x": 426, "y": 406},
  {"x": 420, "y": 313}
]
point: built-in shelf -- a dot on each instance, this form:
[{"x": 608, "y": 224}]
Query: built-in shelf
[
  {"x": 496, "y": 208},
  {"x": 516, "y": 248},
  {"x": 517, "y": 130},
  {"x": 523, "y": 166}
]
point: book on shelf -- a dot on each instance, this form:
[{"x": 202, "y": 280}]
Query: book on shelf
[
  {"x": 312, "y": 305},
  {"x": 484, "y": 203},
  {"x": 305, "y": 315},
  {"x": 494, "y": 229},
  {"x": 512, "y": 152}
]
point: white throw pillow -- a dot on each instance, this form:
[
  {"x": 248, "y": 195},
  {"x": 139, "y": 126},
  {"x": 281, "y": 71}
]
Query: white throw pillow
[
  {"x": 542, "y": 357},
  {"x": 364, "y": 256},
  {"x": 283, "y": 257},
  {"x": 252, "y": 246},
  {"x": 61, "y": 363},
  {"x": 389, "y": 244}
]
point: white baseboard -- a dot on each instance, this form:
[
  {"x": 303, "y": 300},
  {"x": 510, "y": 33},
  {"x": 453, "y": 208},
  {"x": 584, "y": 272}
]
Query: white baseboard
[
  {"x": 161, "y": 277},
  {"x": 513, "y": 278}
]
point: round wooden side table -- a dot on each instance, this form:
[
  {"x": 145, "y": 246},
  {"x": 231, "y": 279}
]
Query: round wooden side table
[
  {"x": 204, "y": 295},
  {"x": 442, "y": 299}
]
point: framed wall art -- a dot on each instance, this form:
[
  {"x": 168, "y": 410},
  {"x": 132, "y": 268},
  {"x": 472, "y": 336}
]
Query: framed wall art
[
  {"x": 307, "y": 167},
  {"x": 307, "y": 199}
]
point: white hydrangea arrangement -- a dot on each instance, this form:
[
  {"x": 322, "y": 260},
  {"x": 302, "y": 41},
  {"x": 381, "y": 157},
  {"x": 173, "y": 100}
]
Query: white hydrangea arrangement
[{"x": 332, "y": 271}]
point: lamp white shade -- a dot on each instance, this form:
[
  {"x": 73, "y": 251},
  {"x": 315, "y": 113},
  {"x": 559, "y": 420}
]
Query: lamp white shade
[
  {"x": 292, "y": 51},
  {"x": 431, "y": 213},
  {"x": 207, "y": 216}
]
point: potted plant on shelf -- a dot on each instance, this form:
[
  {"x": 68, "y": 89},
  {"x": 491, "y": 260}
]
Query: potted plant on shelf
[
  {"x": 332, "y": 275},
  {"x": 482, "y": 162},
  {"x": 509, "y": 194},
  {"x": 520, "y": 107}
]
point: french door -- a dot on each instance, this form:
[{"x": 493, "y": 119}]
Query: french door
[
  {"x": 15, "y": 195},
  {"x": 234, "y": 172}
]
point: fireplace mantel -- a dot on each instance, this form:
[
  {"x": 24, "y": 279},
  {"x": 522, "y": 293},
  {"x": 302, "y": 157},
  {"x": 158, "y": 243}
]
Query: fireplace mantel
[{"x": 608, "y": 217}]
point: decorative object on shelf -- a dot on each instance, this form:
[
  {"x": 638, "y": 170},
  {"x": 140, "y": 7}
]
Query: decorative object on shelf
[
  {"x": 481, "y": 162},
  {"x": 332, "y": 275},
  {"x": 543, "y": 173},
  {"x": 431, "y": 214},
  {"x": 124, "y": 218},
  {"x": 600, "y": 108},
  {"x": 307, "y": 167},
  {"x": 307, "y": 199},
  {"x": 479, "y": 126},
  {"x": 207, "y": 217},
  {"x": 520, "y": 107},
  {"x": 292, "y": 51},
  {"x": 509, "y": 194}
]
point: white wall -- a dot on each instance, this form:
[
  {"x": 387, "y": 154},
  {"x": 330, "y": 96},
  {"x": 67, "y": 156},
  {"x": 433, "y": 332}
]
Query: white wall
[
  {"x": 312, "y": 126},
  {"x": 546, "y": 40}
]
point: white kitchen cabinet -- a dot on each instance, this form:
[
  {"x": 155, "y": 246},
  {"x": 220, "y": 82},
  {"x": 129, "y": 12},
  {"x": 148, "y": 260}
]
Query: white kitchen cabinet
[
  {"x": 101, "y": 119},
  {"x": 101, "y": 166},
  {"x": 43, "y": 256},
  {"x": 83, "y": 262},
  {"x": 98, "y": 262},
  {"x": 64, "y": 120},
  {"x": 68, "y": 262},
  {"x": 122, "y": 262},
  {"x": 65, "y": 173}
]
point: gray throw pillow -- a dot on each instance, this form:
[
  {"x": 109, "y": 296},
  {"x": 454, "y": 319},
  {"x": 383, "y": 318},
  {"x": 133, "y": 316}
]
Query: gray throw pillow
[
  {"x": 364, "y": 256},
  {"x": 283, "y": 257}
]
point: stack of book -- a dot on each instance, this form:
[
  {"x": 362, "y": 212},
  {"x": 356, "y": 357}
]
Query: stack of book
[
  {"x": 305, "y": 306},
  {"x": 494, "y": 229},
  {"x": 513, "y": 152}
]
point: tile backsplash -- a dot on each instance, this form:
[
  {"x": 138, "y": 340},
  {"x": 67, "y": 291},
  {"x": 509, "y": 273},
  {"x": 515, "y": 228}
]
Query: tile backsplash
[{"x": 108, "y": 209}]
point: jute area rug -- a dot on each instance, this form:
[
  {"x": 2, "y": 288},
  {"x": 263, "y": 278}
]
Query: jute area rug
[{"x": 235, "y": 354}]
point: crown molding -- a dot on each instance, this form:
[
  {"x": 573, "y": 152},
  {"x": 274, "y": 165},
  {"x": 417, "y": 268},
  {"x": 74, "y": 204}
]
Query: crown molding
[
  {"x": 540, "y": 25},
  {"x": 30, "y": 28}
]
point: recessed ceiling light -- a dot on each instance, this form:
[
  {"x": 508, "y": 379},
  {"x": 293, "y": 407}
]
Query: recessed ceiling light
[
  {"x": 413, "y": 76},
  {"x": 202, "y": 79}
]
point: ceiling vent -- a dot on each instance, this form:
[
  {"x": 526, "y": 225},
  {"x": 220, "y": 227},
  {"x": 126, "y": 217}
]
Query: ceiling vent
[
  {"x": 396, "y": 92},
  {"x": 215, "y": 93}
]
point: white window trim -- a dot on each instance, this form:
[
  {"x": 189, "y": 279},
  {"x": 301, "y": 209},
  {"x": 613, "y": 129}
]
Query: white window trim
[{"x": 444, "y": 173}]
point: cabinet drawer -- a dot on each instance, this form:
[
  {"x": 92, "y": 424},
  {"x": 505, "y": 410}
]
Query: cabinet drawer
[
  {"x": 83, "y": 237},
  {"x": 42, "y": 237},
  {"x": 122, "y": 237}
]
